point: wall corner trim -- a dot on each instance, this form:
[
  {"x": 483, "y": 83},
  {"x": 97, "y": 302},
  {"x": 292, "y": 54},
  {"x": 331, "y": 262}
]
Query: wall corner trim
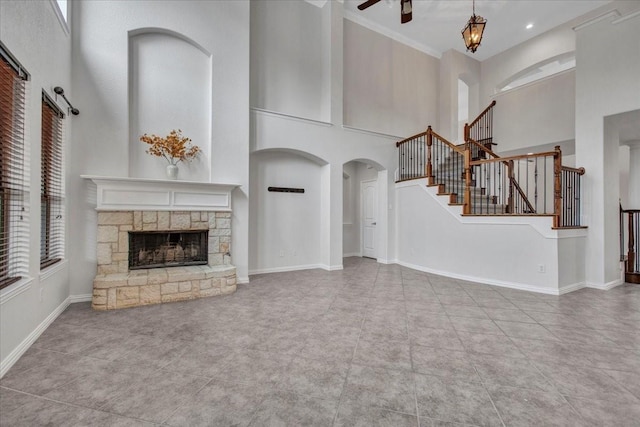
[
  {"x": 17, "y": 352},
  {"x": 570, "y": 288}
]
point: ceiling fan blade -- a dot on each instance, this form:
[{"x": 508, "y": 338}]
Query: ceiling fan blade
[
  {"x": 363, "y": 6},
  {"x": 405, "y": 11}
]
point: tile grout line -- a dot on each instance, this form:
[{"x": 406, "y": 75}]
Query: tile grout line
[
  {"x": 165, "y": 421},
  {"x": 355, "y": 349},
  {"x": 75, "y": 405},
  {"x": 484, "y": 387},
  {"x": 415, "y": 385}
]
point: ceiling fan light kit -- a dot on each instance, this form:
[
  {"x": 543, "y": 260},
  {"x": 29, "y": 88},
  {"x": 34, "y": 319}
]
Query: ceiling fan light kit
[{"x": 472, "y": 32}]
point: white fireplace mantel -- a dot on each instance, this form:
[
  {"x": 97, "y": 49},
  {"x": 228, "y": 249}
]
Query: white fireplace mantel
[{"x": 119, "y": 193}]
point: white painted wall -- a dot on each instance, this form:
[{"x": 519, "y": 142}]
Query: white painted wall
[
  {"x": 453, "y": 66},
  {"x": 350, "y": 208},
  {"x": 167, "y": 95},
  {"x": 607, "y": 83},
  {"x": 335, "y": 146},
  {"x": 483, "y": 249},
  {"x": 388, "y": 87},
  {"x": 102, "y": 136},
  {"x": 284, "y": 228},
  {"x": 624, "y": 161},
  {"x": 290, "y": 67},
  {"x": 502, "y": 67},
  {"x": 539, "y": 113},
  {"x": 27, "y": 306}
]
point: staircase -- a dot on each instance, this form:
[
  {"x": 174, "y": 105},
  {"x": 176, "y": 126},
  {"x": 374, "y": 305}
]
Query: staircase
[
  {"x": 452, "y": 183},
  {"x": 473, "y": 176}
]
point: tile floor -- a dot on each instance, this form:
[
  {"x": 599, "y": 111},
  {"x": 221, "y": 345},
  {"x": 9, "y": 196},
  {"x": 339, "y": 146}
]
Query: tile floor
[{"x": 373, "y": 345}]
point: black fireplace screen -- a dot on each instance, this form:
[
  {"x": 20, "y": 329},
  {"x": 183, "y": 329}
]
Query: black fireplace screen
[{"x": 153, "y": 249}]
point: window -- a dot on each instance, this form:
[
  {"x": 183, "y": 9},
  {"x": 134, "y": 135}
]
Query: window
[
  {"x": 51, "y": 189},
  {"x": 62, "y": 5},
  {"x": 14, "y": 241}
]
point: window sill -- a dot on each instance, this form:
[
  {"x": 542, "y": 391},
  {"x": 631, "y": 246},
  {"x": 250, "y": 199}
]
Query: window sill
[
  {"x": 53, "y": 269},
  {"x": 15, "y": 289}
]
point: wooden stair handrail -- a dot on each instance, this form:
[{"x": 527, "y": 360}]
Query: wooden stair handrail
[
  {"x": 563, "y": 211},
  {"x": 509, "y": 163},
  {"x": 579, "y": 171},
  {"x": 482, "y": 147},
  {"x": 518, "y": 157},
  {"x": 441, "y": 138},
  {"x": 485, "y": 111},
  {"x": 418, "y": 135}
]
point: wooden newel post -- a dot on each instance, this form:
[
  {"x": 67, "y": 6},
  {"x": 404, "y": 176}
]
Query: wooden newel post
[
  {"x": 557, "y": 187},
  {"x": 467, "y": 182},
  {"x": 430, "y": 179},
  {"x": 631, "y": 256},
  {"x": 467, "y": 131}
]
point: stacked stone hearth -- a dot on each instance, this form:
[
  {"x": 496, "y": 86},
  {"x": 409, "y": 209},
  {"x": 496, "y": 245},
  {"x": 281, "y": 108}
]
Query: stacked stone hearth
[{"x": 115, "y": 286}]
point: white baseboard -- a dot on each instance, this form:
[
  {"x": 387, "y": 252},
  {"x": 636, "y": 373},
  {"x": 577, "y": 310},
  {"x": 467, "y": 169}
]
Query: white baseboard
[
  {"x": 606, "y": 286},
  {"x": 356, "y": 254},
  {"x": 80, "y": 298},
  {"x": 297, "y": 268},
  {"x": 386, "y": 261},
  {"x": 287, "y": 268},
  {"x": 242, "y": 280},
  {"x": 570, "y": 288},
  {"x": 17, "y": 352},
  {"x": 511, "y": 285}
]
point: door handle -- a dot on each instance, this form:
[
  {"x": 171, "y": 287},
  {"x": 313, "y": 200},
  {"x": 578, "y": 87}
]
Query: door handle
[{"x": 373, "y": 223}]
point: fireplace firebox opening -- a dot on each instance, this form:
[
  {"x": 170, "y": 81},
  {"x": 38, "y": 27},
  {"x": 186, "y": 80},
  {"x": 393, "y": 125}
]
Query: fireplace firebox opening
[{"x": 158, "y": 249}]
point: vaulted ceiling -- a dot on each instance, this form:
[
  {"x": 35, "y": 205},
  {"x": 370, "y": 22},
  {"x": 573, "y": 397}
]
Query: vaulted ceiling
[{"x": 436, "y": 24}]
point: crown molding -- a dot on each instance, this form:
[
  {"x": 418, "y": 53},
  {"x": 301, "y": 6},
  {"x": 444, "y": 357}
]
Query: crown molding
[{"x": 607, "y": 15}]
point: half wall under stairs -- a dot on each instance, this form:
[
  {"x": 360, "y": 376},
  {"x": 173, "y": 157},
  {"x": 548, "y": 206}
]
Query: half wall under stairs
[{"x": 520, "y": 252}]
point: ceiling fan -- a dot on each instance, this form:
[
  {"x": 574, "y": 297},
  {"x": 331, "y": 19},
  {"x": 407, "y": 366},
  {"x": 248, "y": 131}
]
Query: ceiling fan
[{"x": 405, "y": 9}]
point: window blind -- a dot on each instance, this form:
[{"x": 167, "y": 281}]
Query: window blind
[
  {"x": 51, "y": 185},
  {"x": 14, "y": 234}
]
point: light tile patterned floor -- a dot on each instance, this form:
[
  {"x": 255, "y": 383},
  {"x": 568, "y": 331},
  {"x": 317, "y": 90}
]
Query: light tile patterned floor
[{"x": 373, "y": 345}]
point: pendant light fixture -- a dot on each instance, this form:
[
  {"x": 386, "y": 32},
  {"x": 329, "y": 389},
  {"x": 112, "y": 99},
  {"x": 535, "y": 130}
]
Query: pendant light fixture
[{"x": 472, "y": 32}]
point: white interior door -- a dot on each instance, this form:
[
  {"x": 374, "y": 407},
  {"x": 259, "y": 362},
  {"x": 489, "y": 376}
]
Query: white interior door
[{"x": 369, "y": 194}]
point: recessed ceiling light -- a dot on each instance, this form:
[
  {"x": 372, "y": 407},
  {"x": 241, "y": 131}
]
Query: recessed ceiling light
[{"x": 529, "y": 26}]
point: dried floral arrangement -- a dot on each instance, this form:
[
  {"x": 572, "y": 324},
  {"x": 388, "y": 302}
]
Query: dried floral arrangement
[{"x": 173, "y": 147}]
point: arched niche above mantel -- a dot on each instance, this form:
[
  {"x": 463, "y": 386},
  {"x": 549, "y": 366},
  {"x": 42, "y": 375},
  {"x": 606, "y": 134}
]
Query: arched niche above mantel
[{"x": 170, "y": 87}]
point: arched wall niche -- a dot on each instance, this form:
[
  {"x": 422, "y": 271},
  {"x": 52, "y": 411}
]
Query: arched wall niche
[
  {"x": 538, "y": 71},
  {"x": 170, "y": 87},
  {"x": 285, "y": 228}
]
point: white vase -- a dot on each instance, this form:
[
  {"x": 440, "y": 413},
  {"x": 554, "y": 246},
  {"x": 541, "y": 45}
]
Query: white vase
[{"x": 172, "y": 172}]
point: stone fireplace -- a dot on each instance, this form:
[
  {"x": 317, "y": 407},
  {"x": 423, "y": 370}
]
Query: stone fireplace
[{"x": 161, "y": 241}]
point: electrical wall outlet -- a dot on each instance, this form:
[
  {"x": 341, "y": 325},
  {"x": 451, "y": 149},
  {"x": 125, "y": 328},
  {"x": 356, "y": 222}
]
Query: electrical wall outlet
[{"x": 541, "y": 268}]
